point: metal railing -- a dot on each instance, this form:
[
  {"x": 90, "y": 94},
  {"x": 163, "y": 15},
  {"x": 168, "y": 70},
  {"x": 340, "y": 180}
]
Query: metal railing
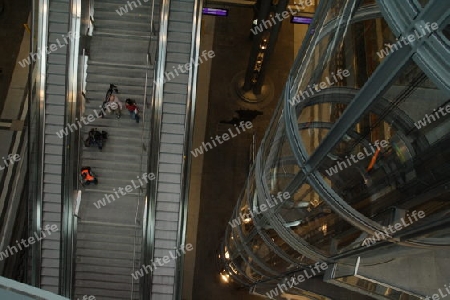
[
  {"x": 39, "y": 75},
  {"x": 70, "y": 156}
]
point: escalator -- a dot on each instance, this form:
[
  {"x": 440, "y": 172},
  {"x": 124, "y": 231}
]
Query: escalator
[
  {"x": 173, "y": 106},
  {"x": 52, "y": 158}
]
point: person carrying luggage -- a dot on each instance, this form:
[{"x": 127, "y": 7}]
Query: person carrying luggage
[{"x": 96, "y": 138}]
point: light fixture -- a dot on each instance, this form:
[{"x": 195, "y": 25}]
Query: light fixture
[{"x": 225, "y": 276}]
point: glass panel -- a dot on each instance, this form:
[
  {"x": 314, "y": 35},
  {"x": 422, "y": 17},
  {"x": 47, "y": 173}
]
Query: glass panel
[
  {"x": 396, "y": 152},
  {"x": 245, "y": 271},
  {"x": 438, "y": 208},
  {"x": 266, "y": 256},
  {"x": 423, "y": 3},
  {"x": 244, "y": 216},
  {"x": 446, "y": 32},
  {"x": 247, "y": 267},
  {"x": 297, "y": 208},
  {"x": 368, "y": 2},
  {"x": 294, "y": 254},
  {"x": 35, "y": 25},
  {"x": 235, "y": 242},
  {"x": 308, "y": 76},
  {"x": 270, "y": 133},
  {"x": 439, "y": 235},
  {"x": 375, "y": 288},
  {"x": 319, "y": 116},
  {"x": 335, "y": 10},
  {"x": 281, "y": 165},
  {"x": 314, "y": 221},
  {"x": 346, "y": 61}
]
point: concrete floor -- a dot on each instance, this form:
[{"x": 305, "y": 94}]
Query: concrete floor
[
  {"x": 14, "y": 15},
  {"x": 225, "y": 167}
]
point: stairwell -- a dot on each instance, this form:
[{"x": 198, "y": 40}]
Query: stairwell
[{"x": 108, "y": 245}]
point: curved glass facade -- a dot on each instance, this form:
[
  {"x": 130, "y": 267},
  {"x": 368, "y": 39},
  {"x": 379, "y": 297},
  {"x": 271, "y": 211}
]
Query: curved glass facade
[{"x": 358, "y": 143}]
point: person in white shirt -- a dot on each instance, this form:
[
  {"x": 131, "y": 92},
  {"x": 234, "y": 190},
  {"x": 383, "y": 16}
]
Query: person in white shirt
[{"x": 114, "y": 105}]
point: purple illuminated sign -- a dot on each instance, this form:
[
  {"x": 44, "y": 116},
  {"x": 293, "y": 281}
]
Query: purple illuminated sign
[
  {"x": 301, "y": 20},
  {"x": 215, "y": 11}
]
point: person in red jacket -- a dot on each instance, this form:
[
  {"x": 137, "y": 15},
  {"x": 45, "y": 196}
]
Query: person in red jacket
[{"x": 133, "y": 109}]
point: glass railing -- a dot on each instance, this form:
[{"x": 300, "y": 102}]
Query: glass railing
[{"x": 13, "y": 290}]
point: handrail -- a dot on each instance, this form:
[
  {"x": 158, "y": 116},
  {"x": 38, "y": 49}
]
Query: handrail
[
  {"x": 79, "y": 138},
  {"x": 70, "y": 156},
  {"x": 75, "y": 194},
  {"x": 41, "y": 70}
]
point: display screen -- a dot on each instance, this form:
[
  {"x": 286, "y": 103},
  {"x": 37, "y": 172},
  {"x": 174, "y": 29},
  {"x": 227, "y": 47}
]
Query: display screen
[
  {"x": 215, "y": 11},
  {"x": 301, "y": 20}
]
